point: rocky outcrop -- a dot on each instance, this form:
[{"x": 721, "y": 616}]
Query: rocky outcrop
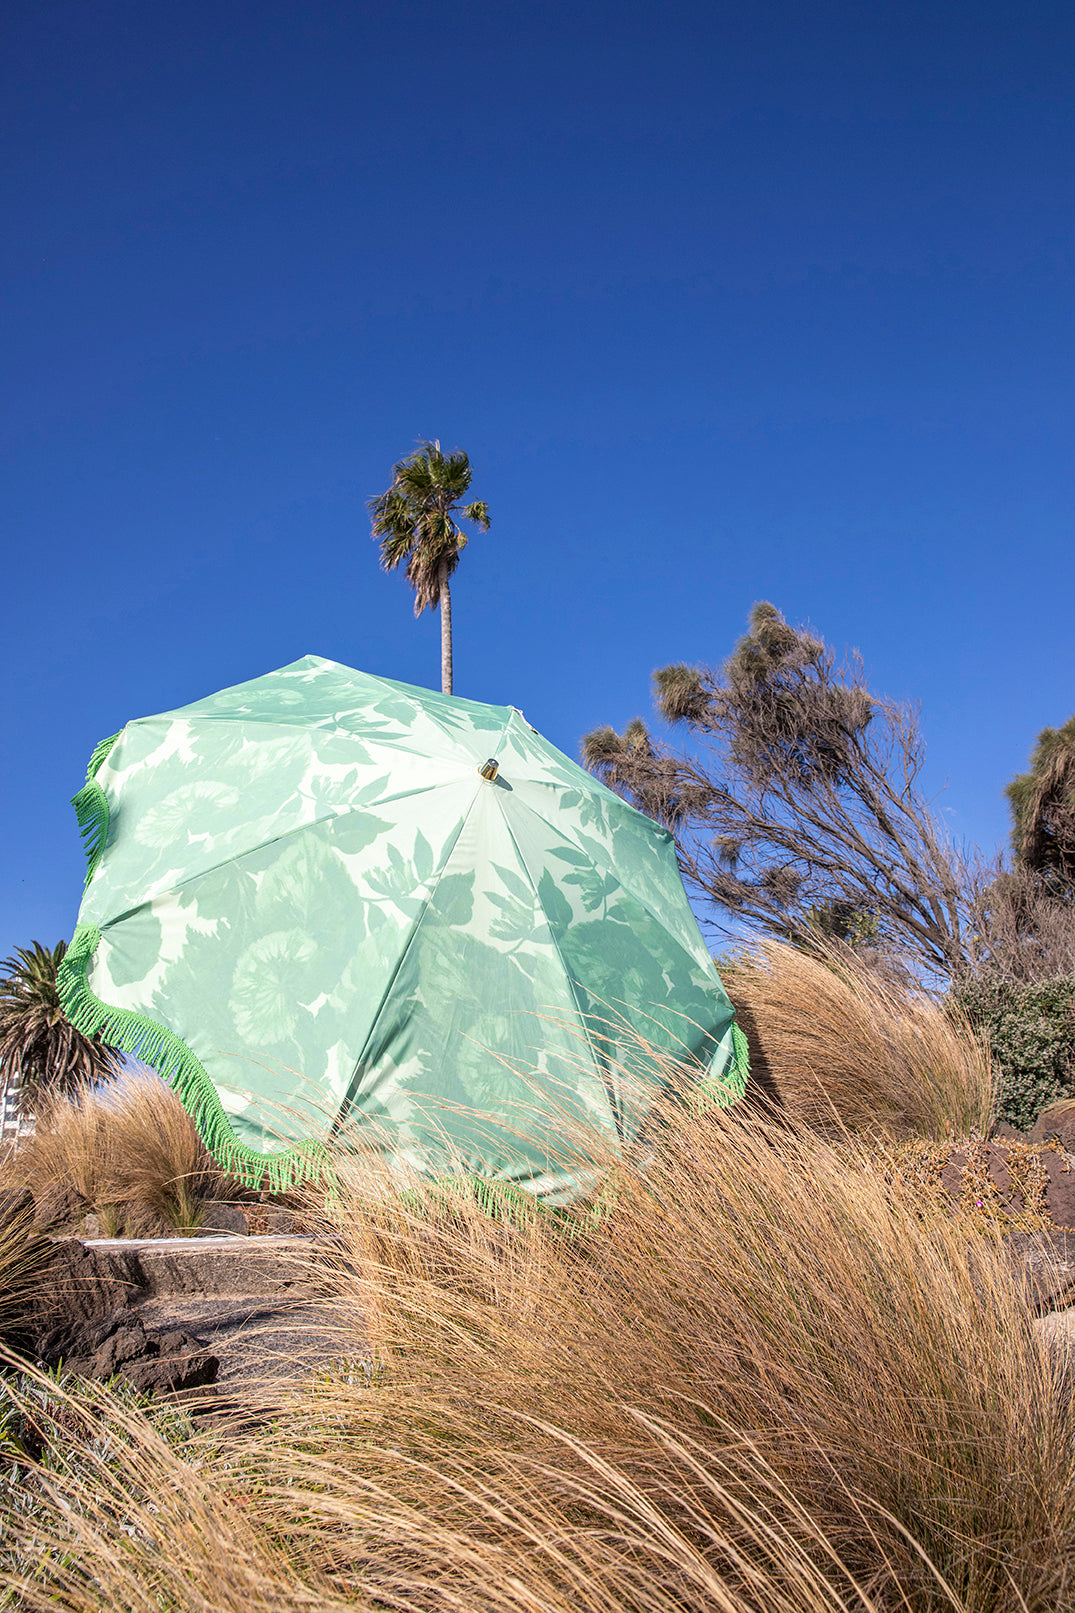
[
  {"x": 1057, "y": 1123},
  {"x": 1010, "y": 1179},
  {"x": 134, "y": 1309},
  {"x": 1045, "y": 1262},
  {"x": 122, "y": 1347}
]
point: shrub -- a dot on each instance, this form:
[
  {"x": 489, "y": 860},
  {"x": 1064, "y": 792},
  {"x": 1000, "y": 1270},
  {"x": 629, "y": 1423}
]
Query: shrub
[{"x": 1031, "y": 1035}]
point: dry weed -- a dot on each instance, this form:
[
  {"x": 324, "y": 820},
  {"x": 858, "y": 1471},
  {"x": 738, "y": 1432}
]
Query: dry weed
[
  {"x": 764, "y": 1380},
  {"x": 751, "y": 1305},
  {"x": 761, "y": 1375}
]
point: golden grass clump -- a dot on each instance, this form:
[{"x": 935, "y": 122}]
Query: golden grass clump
[
  {"x": 22, "y": 1253},
  {"x": 765, "y": 1380},
  {"x": 840, "y": 1048},
  {"x": 128, "y": 1150},
  {"x": 759, "y": 1333},
  {"x": 763, "y": 1371}
]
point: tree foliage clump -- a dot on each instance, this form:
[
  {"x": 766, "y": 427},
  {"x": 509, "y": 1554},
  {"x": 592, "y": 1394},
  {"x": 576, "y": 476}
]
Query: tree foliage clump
[
  {"x": 798, "y": 807},
  {"x": 1030, "y": 1029},
  {"x": 39, "y": 1047},
  {"x": 1024, "y": 914},
  {"x": 415, "y": 521},
  {"x": 1023, "y": 929},
  {"x": 1043, "y": 810}
]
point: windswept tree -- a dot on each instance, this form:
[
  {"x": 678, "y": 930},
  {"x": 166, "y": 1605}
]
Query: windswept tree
[
  {"x": 797, "y": 808},
  {"x": 1025, "y": 913},
  {"x": 1043, "y": 810},
  {"x": 416, "y": 523},
  {"x": 40, "y": 1050}
]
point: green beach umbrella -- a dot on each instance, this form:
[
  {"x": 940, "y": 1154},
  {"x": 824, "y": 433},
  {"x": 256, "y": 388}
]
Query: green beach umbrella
[{"x": 323, "y": 901}]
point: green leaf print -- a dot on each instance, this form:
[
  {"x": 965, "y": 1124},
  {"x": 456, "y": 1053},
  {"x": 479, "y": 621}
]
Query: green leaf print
[{"x": 554, "y": 903}]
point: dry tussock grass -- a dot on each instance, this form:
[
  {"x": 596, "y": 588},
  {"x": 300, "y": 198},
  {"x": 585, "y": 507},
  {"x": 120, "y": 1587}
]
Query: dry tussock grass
[
  {"x": 129, "y": 1150},
  {"x": 840, "y": 1048},
  {"x": 759, "y": 1375},
  {"x": 764, "y": 1380}
]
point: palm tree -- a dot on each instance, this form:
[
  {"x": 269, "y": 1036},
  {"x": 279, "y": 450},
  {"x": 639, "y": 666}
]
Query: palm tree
[
  {"x": 40, "y": 1050},
  {"x": 414, "y": 520}
]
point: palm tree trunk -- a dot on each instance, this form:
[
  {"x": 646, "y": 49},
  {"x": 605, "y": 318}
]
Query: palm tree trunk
[{"x": 445, "y": 631}]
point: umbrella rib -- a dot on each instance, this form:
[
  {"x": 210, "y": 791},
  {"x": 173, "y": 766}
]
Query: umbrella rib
[
  {"x": 352, "y": 1085},
  {"x": 287, "y": 834},
  {"x": 647, "y": 908},
  {"x": 345, "y": 1101},
  {"x": 600, "y": 1060},
  {"x": 641, "y": 900}
]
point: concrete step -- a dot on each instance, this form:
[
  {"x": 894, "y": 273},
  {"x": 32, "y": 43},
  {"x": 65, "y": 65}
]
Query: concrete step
[
  {"x": 253, "y": 1302},
  {"x": 275, "y": 1266}
]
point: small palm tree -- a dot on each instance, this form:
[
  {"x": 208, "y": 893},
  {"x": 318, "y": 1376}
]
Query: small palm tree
[
  {"x": 40, "y": 1050},
  {"x": 415, "y": 521}
]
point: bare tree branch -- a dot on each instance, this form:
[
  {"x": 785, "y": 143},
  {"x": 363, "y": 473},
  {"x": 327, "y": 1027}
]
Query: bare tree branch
[{"x": 798, "y": 798}]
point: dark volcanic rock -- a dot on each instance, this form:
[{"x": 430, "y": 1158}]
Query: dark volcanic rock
[
  {"x": 994, "y": 1158},
  {"x": 220, "y": 1217},
  {"x": 122, "y": 1347},
  {"x": 17, "y": 1204},
  {"x": 56, "y": 1204},
  {"x": 1057, "y": 1121},
  {"x": 986, "y": 1168},
  {"x": 163, "y": 1314},
  {"x": 74, "y": 1286},
  {"x": 275, "y": 1219},
  {"x": 1061, "y": 1189},
  {"x": 1047, "y": 1261}
]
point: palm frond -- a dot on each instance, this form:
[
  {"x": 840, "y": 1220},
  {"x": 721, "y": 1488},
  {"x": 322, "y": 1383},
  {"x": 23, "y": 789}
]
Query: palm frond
[
  {"x": 478, "y": 512},
  {"x": 38, "y": 1043},
  {"x": 415, "y": 519}
]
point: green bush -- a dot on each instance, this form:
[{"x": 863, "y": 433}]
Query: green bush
[{"x": 1031, "y": 1035}]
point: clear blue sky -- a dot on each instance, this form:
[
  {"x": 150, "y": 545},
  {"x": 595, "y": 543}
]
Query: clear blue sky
[{"x": 725, "y": 300}]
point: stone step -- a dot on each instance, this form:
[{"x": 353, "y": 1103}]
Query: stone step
[
  {"x": 273, "y": 1267},
  {"x": 214, "y": 1314}
]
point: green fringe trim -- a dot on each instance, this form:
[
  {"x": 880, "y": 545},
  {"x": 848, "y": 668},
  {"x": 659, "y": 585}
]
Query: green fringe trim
[
  {"x": 718, "y": 1092},
  {"x": 100, "y": 754},
  {"x": 162, "y": 1050},
  {"x": 500, "y": 1201},
  {"x": 91, "y": 808},
  {"x": 741, "y": 1056}
]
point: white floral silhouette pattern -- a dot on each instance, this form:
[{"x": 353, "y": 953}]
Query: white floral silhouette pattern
[{"x": 308, "y": 881}]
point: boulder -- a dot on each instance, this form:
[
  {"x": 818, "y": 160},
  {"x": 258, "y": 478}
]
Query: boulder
[
  {"x": 1045, "y": 1262},
  {"x": 1057, "y": 1122},
  {"x": 73, "y": 1285},
  {"x": 121, "y": 1347},
  {"x": 1013, "y": 1179},
  {"x": 17, "y": 1204},
  {"x": 57, "y": 1204},
  {"x": 275, "y": 1219},
  {"x": 220, "y": 1217}
]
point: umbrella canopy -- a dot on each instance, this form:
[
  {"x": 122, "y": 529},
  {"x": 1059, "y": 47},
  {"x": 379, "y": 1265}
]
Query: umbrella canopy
[{"x": 311, "y": 908}]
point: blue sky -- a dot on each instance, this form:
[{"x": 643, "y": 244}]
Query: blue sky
[{"x": 725, "y": 302}]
